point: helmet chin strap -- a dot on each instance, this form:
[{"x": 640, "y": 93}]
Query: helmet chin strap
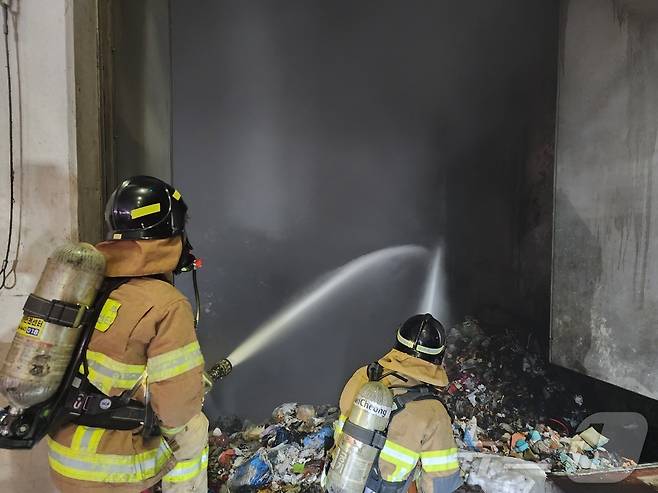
[
  {"x": 197, "y": 300},
  {"x": 187, "y": 261}
]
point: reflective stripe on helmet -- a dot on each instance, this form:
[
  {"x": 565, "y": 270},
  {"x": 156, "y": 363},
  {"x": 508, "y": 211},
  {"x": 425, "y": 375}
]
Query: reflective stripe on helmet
[
  {"x": 86, "y": 439},
  {"x": 106, "y": 373},
  {"x": 144, "y": 208},
  {"x": 402, "y": 458},
  {"x": 420, "y": 348},
  {"x": 105, "y": 468},
  {"x": 439, "y": 460},
  {"x": 174, "y": 363},
  {"x": 147, "y": 210},
  {"x": 188, "y": 469}
]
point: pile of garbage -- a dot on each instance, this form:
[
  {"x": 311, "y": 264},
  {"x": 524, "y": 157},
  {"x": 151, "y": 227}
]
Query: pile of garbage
[
  {"x": 285, "y": 454},
  {"x": 505, "y": 399}
]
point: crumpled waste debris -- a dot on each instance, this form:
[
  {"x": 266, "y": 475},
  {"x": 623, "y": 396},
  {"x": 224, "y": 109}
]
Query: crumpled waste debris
[
  {"x": 504, "y": 400},
  {"x": 287, "y": 453},
  {"x": 254, "y": 473},
  {"x": 494, "y": 473},
  {"x": 319, "y": 438}
]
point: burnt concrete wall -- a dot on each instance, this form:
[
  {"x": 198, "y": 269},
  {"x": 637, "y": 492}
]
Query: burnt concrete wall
[
  {"x": 306, "y": 134},
  {"x": 605, "y": 292}
]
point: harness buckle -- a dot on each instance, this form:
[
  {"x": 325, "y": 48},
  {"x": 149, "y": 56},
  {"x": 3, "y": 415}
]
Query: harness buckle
[
  {"x": 378, "y": 440},
  {"x": 56, "y": 311}
]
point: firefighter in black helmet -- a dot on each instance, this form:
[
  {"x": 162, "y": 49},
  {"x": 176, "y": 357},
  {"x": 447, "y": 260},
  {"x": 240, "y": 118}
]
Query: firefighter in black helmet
[
  {"x": 420, "y": 429},
  {"x": 144, "y": 343},
  {"x": 146, "y": 208}
]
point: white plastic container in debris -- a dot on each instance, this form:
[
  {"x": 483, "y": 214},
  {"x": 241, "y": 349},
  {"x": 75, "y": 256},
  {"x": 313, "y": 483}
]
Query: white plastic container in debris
[{"x": 499, "y": 474}]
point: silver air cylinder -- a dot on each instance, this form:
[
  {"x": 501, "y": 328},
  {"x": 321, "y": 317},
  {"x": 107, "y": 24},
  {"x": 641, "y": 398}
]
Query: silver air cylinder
[
  {"x": 41, "y": 351},
  {"x": 353, "y": 459}
]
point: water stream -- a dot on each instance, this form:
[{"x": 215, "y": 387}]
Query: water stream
[
  {"x": 434, "y": 300},
  {"x": 283, "y": 322}
]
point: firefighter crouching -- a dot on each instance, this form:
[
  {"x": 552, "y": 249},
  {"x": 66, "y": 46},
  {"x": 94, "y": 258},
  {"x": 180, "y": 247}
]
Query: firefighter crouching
[
  {"x": 393, "y": 427},
  {"x": 144, "y": 340}
]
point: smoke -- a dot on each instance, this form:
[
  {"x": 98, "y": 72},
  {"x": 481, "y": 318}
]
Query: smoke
[{"x": 314, "y": 132}]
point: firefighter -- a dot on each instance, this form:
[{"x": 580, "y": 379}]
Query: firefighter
[
  {"x": 144, "y": 340},
  {"x": 418, "y": 443}
]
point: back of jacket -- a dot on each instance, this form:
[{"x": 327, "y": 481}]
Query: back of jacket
[
  {"x": 419, "y": 437},
  {"x": 146, "y": 334}
]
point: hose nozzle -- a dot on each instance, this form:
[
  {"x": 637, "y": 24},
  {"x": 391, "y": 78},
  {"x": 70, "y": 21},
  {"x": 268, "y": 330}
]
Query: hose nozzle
[{"x": 220, "y": 370}]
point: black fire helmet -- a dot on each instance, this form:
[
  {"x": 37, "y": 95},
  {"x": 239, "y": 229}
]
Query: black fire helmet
[{"x": 424, "y": 337}]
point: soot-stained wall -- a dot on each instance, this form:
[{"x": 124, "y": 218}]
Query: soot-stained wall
[
  {"x": 604, "y": 294},
  {"x": 307, "y": 134}
]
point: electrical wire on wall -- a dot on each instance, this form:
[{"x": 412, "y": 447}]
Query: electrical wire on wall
[{"x": 8, "y": 267}]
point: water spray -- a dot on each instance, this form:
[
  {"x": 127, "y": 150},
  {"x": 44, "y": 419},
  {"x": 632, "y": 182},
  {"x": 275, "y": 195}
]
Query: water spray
[
  {"x": 434, "y": 300},
  {"x": 283, "y": 321}
]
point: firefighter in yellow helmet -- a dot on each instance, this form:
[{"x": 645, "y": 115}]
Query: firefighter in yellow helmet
[
  {"x": 418, "y": 443},
  {"x": 144, "y": 348}
]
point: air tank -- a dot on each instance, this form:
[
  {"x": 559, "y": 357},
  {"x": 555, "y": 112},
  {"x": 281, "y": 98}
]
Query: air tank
[
  {"x": 353, "y": 459},
  {"x": 41, "y": 351}
]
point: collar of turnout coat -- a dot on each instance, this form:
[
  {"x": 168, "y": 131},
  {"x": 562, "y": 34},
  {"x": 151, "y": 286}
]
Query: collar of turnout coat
[
  {"x": 134, "y": 258},
  {"x": 415, "y": 368}
]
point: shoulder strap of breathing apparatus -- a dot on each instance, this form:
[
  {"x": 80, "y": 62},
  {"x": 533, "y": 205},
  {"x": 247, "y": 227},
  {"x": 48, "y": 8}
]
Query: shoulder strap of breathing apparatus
[
  {"x": 86, "y": 405},
  {"x": 76, "y": 399},
  {"x": 377, "y": 439}
]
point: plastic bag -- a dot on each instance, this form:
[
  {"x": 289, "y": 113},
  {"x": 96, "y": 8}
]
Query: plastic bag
[
  {"x": 255, "y": 473},
  {"x": 318, "y": 439}
]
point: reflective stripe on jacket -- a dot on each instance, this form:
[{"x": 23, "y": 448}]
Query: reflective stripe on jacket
[
  {"x": 190, "y": 474},
  {"x": 146, "y": 335},
  {"x": 419, "y": 435},
  {"x": 188, "y": 469},
  {"x": 76, "y": 463}
]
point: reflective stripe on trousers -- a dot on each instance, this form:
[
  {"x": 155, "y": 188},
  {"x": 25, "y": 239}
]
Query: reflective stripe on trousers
[{"x": 84, "y": 465}]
